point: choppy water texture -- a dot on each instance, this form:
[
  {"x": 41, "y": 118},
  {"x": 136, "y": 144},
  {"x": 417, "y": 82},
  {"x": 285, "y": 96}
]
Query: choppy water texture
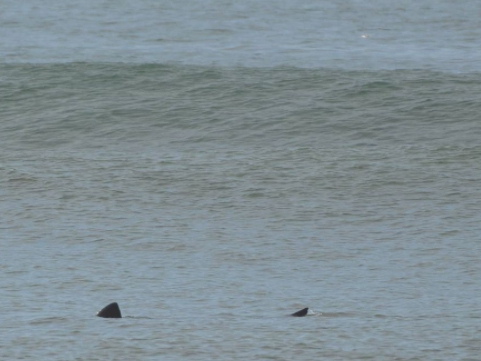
[{"x": 212, "y": 195}]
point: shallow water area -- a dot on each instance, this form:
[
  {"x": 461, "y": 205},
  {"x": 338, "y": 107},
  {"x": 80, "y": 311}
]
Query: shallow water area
[{"x": 215, "y": 168}]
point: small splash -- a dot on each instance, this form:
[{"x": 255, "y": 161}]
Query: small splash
[
  {"x": 310, "y": 312},
  {"x": 140, "y": 317}
]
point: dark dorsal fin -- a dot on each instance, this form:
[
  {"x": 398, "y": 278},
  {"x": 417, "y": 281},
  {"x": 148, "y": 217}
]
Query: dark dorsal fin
[
  {"x": 110, "y": 311},
  {"x": 301, "y": 313}
]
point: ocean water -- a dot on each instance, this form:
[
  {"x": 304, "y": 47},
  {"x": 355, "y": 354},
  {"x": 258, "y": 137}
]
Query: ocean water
[{"x": 214, "y": 167}]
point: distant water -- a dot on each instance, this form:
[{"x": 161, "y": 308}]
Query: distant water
[
  {"x": 375, "y": 34},
  {"x": 214, "y": 167}
]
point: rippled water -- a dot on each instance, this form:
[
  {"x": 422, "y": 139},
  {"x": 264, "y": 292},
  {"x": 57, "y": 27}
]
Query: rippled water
[
  {"x": 377, "y": 34},
  {"x": 213, "y": 195}
]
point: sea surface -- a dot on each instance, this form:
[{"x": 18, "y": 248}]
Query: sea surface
[{"x": 215, "y": 166}]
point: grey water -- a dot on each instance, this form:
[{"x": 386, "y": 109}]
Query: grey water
[{"x": 214, "y": 167}]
